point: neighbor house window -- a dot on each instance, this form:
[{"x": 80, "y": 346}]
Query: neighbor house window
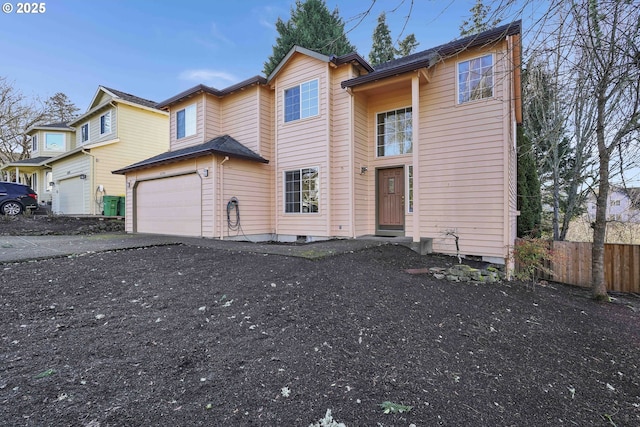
[
  {"x": 301, "y": 101},
  {"x": 105, "y": 123},
  {"x": 34, "y": 143},
  {"x": 48, "y": 178},
  {"x": 85, "y": 132},
  {"x": 54, "y": 142},
  {"x": 186, "y": 122},
  {"x": 475, "y": 79},
  {"x": 394, "y": 132},
  {"x": 410, "y": 179},
  {"x": 301, "y": 190}
]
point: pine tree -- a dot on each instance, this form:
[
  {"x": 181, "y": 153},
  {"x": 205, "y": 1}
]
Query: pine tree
[
  {"x": 382, "y": 49},
  {"x": 407, "y": 46},
  {"x": 311, "y": 26},
  {"x": 479, "y": 22},
  {"x": 60, "y": 109},
  {"x": 529, "y": 197}
]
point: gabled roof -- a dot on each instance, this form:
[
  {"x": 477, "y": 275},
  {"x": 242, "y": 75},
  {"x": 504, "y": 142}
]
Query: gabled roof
[
  {"x": 428, "y": 58},
  {"x": 51, "y": 126},
  {"x": 116, "y": 96},
  {"x": 223, "y": 145},
  {"x": 256, "y": 80},
  {"x": 131, "y": 98},
  {"x": 338, "y": 60},
  {"x": 34, "y": 161}
]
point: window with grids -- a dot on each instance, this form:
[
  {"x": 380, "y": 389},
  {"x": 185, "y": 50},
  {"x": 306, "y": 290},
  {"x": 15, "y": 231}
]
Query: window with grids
[
  {"x": 395, "y": 132},
  {"x": 301, "y": 101},
  {"x": 301, "y": 188},
  {"x": 475, "y": 79},
  {"x": 186, "y": 122}
]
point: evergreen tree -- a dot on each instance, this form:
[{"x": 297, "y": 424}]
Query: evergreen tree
[
  {"x": 407, "y": 46},
  {"x": 529, "y": 197},
  {"x": 382, "y": 49},
  {"x": 311, "y": 26},
  {"x": 60, "y": 109},
  {"x": 478, "y": 22}
]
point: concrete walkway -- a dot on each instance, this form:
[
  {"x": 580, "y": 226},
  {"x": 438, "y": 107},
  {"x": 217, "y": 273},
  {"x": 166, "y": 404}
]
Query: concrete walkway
[{"x": 25, "y": 248}]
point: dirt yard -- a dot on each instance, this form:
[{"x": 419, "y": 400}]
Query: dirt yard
[{"x": 194, "y": 336}]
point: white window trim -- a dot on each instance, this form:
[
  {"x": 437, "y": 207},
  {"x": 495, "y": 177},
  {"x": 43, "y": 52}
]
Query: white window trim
[
  {"x": 34, "y": 143},
  {"x": 64, "y": 141},
  {"x": 88, "y": 125},
  {"x": 284, "y": 190},
  {"x": 188, "y": 126},
  {"x": 493, "y": 76},
  {"x": 284, "y": 102},
  {"x": 106, "y": 132},
  {"x": 376, "y": 132}
]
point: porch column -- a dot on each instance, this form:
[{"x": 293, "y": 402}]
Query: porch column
[
  {"x": 415, "y": 126},
  {"x": 17, "y": 174}
]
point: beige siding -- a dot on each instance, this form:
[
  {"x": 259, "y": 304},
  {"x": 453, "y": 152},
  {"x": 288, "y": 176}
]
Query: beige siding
[
  {"x": 68, "y": 168},
  {"x": 212, "y": 117},
  {"x": 240, "y": 117},
  {"x": 364, "y": 203},
  {"x": 341, "y": 151},
  {"x": 462, "y": 165},
  {"x": 142, "y": 134},
  {"x": 198, "y": 137},
  {"x": 94, "y": 128},
  {"x": 302, "y": 144}
]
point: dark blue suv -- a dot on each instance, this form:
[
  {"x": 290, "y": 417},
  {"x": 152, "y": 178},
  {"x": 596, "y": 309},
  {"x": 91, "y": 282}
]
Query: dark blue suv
[{"x": 16, "y": 198}]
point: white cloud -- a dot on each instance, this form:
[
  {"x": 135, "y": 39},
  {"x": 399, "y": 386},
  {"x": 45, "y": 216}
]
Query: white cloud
[{"x": 215, "y": 78}]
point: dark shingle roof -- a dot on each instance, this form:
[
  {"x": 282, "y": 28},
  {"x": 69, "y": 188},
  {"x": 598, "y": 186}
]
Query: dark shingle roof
[
  {"x": 31, "y": 161},
  {"x": 429, "y": 57},
  {"x": 132, "y": 98},
  {"x": 211, "y": 90},
  {"x": 224, "y": 145},
  {"x": 56, "y": 125}
]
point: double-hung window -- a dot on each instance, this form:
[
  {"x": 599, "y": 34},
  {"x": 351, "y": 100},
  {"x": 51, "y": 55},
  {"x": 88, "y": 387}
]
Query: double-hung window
[
  {"x": 85, "y": 132},
  {"x": 105, "y": 123},
  {"x": 301, "y": 101},
  {"x": 34, "y": 143},
  {"x": 475, "y": 79},
  {"x": 186, "y": 122},
  {"x": 301, "y": 188},
  {"x": 395, "y": 132}
]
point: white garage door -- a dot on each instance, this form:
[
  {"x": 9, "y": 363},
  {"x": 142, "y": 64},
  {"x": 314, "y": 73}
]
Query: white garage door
[
  {"x": 71, "y": 196},
  {"x": 170, "y": 206}
]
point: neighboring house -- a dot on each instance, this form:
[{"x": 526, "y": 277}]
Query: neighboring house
[
  {"x": 623, "y": 205},
  {"x": 47, "y": 141},
  {"x": 328, "y": 147}
]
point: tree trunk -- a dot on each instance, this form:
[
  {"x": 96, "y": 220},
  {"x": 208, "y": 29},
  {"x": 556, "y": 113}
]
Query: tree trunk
[{"x": 598, "y": 284}]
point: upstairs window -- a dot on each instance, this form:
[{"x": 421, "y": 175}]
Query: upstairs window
[
  {"x": 34, "y": 143},
  {"x": 301, "y": 101},
  {"x": 54, "y": 142},
  {"x": 186, "y": 122},
  {"x": 105, "y": 123},
  {"x": 475, "y": 79},
  {"x": 85, "y": 132},
  {"x": 301, "y": 187},
  {"x": 395, "y": 132}
]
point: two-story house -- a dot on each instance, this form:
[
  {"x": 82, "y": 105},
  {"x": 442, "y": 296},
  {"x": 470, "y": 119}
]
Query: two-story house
[
  {"x": 421, "y": 147},
  {"x": 47, "y": 142},
  {"x": 623, "y": 205}
]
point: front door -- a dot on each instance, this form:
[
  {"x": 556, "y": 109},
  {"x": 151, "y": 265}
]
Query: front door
[{"x": 390, "y": 194}]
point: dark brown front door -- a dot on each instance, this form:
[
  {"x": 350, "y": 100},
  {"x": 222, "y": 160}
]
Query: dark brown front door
[{"x": 391, "y": 199}]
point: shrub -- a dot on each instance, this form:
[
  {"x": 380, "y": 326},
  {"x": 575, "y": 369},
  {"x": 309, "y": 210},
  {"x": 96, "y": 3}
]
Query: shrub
[{"x": 532, "y": 257}]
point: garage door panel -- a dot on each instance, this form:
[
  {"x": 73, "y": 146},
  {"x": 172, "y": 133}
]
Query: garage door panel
[
  {"x": 71, "y": 196},
  {"x": 170, "y": 206}
]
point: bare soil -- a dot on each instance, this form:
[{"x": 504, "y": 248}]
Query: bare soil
[
  {"x": 43, "y": 225},
  {"x": 187, "y": 335}
]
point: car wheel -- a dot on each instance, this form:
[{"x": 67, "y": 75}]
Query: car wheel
[{"x": 11, "y": 208}]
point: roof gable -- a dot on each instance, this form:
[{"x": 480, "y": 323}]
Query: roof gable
[
  {"x": 104, "y": 94},
  {"x": 430, "y": 57}
]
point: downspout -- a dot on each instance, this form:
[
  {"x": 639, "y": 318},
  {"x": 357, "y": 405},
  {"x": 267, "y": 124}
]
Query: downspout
[
  {"x": 221, "y": 180},
  {"x": 91, "y": 179}
]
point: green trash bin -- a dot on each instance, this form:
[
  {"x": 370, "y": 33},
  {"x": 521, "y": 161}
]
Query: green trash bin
[
  {"x": 110, "y": 205},
  {"x": 122, "y": 207}
]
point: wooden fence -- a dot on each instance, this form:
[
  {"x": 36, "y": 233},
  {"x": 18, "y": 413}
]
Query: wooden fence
[{"x": 572, "y": 265}]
